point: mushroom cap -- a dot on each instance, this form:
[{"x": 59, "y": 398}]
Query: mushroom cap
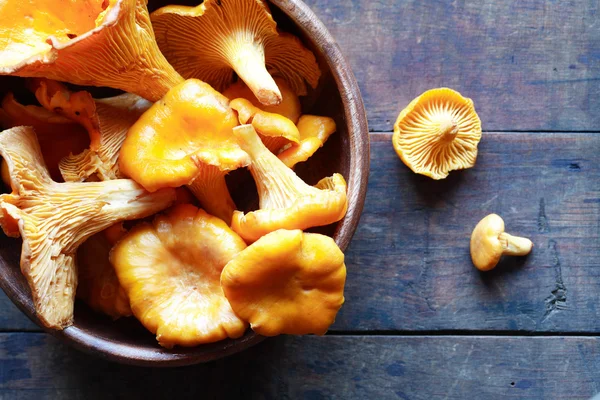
[
  {"x": 190, "y": 127},
  {"x": 314, "y": 132},
  {"x": 437, "y": 132},
  {"x": 114, "y": 116},
  {"x": 57, "y": 135},
  {"x": 287, "y": 282},
  {"x": 285, "y": 200},
  {"x": 486, "y": 247},
  {"x": 275, "y": 131},
  {"x": 290, "y": 103},
  {"x": 53, "y": 219},
  {"x": 215, "y": 38},
  {"x": 98, "y": 285},
  {"x": 171, "y": 272},
  {"x": 96, "y": 42}
]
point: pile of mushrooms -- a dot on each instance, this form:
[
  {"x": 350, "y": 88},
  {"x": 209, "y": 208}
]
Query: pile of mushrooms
[{"x": 206, "y": 90}]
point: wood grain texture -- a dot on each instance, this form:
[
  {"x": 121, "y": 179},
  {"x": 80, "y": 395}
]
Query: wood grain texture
[
  {"x": 36, "y": 366},
  {"x": 409, "y": 266},
  {"x": 528, "y": 65}
]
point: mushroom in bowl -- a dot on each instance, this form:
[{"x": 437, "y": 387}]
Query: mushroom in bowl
[{"x": 346, "y": 152}]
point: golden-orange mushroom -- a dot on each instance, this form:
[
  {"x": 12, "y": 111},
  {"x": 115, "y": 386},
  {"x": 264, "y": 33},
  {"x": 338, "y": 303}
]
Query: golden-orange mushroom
[
  {"x": 437, "y": 132},
  {"x": 285, "y": 201},
  {"x": 115, "y": 115},
  {"x": 98, "y": 285},
  {"x": 183, "y": 138},
  {"x": 53, "y": 219},
  {"x": 290, "y": 103},
  {"x": 275, "y": 131},
  {"x": 171, "y": 272},
  {"x": 234, "y": 35},
  {"x": 95, "y": 42},
  {"x": 314, "y": 132},
  {"x": 77, "y": 106},
  {"x": 287, "y": 282},
  {"x": 58, "y": 136}
]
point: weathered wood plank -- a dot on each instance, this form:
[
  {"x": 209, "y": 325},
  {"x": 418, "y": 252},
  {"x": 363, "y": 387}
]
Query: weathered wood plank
[
  {"x": 528, "y": 65},
  {"x": 409, "y": 267},
  {"x": 36, "y": 366}
]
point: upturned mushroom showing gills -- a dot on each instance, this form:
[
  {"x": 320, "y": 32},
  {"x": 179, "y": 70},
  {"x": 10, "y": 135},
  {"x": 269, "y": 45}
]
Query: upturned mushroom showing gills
[
  {"x": 95, "y": 42},
  {"x": 437, "y": 132},
  {"x": 183, "y": 138},
  {"x": 289, "y": 106},
  {"x": 114, "y": 115},
  {"x": 287, "y": 282},
  {"x": 58, "y": 136},
  {"x": 53, "y": 219},
  {"x": 275, "y": 131},
  {"x": 314, "y": 132},
  {"x": 285, "y": 200},
  {"x": 218, "y": 37},
  {"x": 489, "y": 242},
  {"x": 97, "y": 282},
  {"x": 171, "y": 272}
]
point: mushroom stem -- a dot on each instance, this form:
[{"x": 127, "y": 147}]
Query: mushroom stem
[
  {"x": 448, "y": 129},
  {"x": 211, "y": 191},
  {"x": 247, "y": 58},
  {"x": 277, "y": 184},
  {"x": 514, "y": 245}
]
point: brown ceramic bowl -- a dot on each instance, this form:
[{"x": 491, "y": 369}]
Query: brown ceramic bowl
[{"x": 347, "y": 152}]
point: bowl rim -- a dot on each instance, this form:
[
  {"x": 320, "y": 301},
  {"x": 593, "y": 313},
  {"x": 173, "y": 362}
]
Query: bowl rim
[{"x": 357, "y": 129}]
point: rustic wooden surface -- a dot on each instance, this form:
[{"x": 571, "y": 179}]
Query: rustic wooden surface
[{"x": 420, "y": 322}]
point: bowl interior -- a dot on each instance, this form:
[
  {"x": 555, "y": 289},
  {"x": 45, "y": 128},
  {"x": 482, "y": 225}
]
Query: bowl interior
[{"x": 346, "y": 152}]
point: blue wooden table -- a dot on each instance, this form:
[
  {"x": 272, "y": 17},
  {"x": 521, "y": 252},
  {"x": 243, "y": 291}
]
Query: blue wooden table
[{"x": 419, "y": 321}]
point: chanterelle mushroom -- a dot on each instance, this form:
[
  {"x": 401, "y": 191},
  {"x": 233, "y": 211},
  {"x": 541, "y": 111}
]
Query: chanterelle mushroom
[
  {"x": 275, "y": 131},
  {"x": 171, "y": 272},
  {"x": 53, "y": 219},
  {"x": 489, "y": 242},
  {"x": 290, "y": 103},
  {"x": 217, "y": 37},
  {"x": 115, "y": 116},
  {"x": 314, "y": 132},
  {"x": 58, "y": 136},
  {"x": 183, "y": 138},
  {"x": 287, "y": 282},
  {"x": 437, "y": 132},
  {"x": 95, "y": 42},
  {"x": 285, "y": 200}
]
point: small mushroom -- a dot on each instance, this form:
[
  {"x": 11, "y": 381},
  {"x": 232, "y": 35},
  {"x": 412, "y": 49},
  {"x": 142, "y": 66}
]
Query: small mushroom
[
  {"x": 314, "y": 132},
  {"x": 275, "y": 131},
  {"x": 58, "y": 136},
  {"x": 287, "y": 282},
  {"x": 489, "y": 242},
  {"x": 290, "y": 103},
  {"x": 186, "y": 138},
  {"x": 285, "y": 200},
  {"x": 437, "y": 132},
  {"x": 53, "y": 219},
  {"x": 216, "y": 38},
  {"x": 97, "y": 282},
  {"x": 95, "y": 42},
  {"x": 77, "y": 106},
  {"x": 171, "y": 272},
  {"x": 114, "y": 115}
]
